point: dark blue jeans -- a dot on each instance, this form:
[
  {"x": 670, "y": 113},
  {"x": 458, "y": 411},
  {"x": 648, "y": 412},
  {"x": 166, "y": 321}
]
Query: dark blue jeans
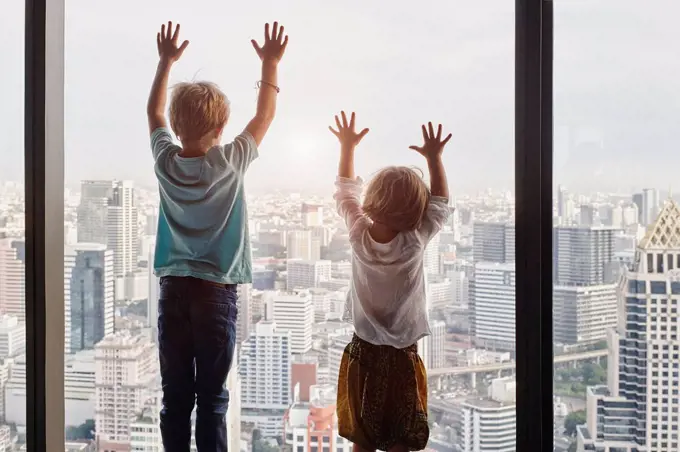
[{"x": 196, "y": 338}]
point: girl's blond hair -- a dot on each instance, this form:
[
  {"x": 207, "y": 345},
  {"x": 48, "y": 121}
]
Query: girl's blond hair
[
  {"x": 196, "y": 109},
  {"x": 397, "y": 197}
]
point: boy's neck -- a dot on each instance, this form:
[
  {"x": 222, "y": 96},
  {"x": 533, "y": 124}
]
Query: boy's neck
[{"x": 198, "y": 148}]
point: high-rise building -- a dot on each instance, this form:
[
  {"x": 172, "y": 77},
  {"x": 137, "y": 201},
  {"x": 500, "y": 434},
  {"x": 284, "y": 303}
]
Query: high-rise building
[
  {"x": 432, "y": 256},
  {"x": 12, "y": 337},
  {"x": 583, "y": 314},
  {"x": 245, "y": 318},
  {"x": 69, "y": 264},
  {"x": 301, "y": 246},
  {"x": 562, "y": 197},
  {"x": 493, "y": 242},
  {"x": 294, "y": 312},
  {"x": 91, "y": 295},
  {"x": 126, "y": 368},
  {"x": 588, "y": 215},
  {"x": 638, "y": 408},
  {"x": 107, "y": 214},
  {"x": 637, "y": 201},
  {"x": 489, "y": 424},
  {"x": 493, "y": 306},
  {"x": 12, "y": 280},
  {"x": 436, "y": 353},
  {"x": 154, "y": 294},
  {"x": 312, "y": 215},
  {"x": 583, "y": 256},
  {"x": 265, "y": 371},
  {"x": 650, "y": 205},
  {"x": 306, "y": 274}
]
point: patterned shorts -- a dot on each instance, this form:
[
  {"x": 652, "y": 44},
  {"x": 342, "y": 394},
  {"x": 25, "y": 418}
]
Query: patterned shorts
[{"x": 382, "y": 396}]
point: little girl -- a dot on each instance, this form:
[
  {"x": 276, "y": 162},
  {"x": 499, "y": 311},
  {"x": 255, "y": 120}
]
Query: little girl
[{"x": 382, "y": 386}]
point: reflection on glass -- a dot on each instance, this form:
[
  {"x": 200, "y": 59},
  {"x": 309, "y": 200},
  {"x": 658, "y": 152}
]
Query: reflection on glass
[{"x": 616, "y": 240}]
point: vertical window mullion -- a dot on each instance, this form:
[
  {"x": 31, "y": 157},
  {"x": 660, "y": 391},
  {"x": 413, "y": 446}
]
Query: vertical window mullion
[
  {"x": 533, "y": 191},
  {"x": 44, "y": 197}
]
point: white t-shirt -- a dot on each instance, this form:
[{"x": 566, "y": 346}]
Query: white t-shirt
[{"x": 386, "y": 299}]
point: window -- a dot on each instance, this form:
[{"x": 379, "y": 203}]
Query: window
[
  {"x": 484, "y": 266},
  {"x": 604, "y": 109},
  {"x": 13, "y": 335}
]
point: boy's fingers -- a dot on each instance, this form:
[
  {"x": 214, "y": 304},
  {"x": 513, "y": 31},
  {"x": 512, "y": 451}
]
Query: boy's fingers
[
  {"x": 446, "y": 140},
  {"x": 431, "y": 129},
  {"x": 266, "y": 32},
  {"x": 351, "y": 120},
  {"x": 163, "y": 32},
  {"x": 285, "y": 43},
  {"x": 175, "y": 35},
  {"x": 256, "y": 45},
  {"x": 169, "y": 30},
  {"x": 416, "y": 148},
  {"x": 333, "y": 131},
  {"x": 363, "y": 133},
  {"x": 424, "y": 132},
  {"x": 158, "y": 42},
  {"x": 184, "y": 45},
  {"x": 439, "y": 132},
  {"x": 280, "y": 35},
  {"x": 275, "y": 31},
  {"x": 337, "y": 122},
  {"x": 344, "y": 119}
]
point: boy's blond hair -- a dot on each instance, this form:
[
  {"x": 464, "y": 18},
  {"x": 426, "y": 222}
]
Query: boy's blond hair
[
  {"x": 397, "y": 197},
  {"x": 196, "y": 109}
]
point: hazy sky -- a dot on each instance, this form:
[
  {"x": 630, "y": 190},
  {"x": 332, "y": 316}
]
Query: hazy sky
[{"x": 617, "y": 86}]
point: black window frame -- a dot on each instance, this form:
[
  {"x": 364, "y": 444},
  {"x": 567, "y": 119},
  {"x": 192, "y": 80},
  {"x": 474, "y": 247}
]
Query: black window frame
[{"x": 44, "y": 31}]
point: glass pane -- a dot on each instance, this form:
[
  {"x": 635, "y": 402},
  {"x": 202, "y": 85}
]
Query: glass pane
[
  {"x": 12, "y": 230},
  {"x": 397, "y": 68},
  {"x": 616, "y": 227}
]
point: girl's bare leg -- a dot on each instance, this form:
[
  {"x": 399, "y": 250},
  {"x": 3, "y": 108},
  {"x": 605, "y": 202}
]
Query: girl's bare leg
[
  {"x": 356, "y": 448},
  {"x": 398, "y": 448}
]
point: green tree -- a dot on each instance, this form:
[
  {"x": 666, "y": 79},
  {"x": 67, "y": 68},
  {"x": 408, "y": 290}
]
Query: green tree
[
  {"x": 593, "y": 374},
  {"x": 83, "y": 431},
  {"x": 573, "y": 420}
]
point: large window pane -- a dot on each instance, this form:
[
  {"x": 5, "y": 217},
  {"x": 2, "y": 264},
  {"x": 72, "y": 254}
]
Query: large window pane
[
  {"x": 397, "y": 67},
  {"x": 12, "y": 230},
  {"x": 616, "y": 228}
]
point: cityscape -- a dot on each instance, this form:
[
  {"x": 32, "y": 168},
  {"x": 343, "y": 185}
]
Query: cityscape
[{"x": 616, "y": 258}]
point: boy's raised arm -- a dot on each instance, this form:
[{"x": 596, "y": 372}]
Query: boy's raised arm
[
  {"x": 168, "y": 52},
  {"x": 270, "y": 54}
]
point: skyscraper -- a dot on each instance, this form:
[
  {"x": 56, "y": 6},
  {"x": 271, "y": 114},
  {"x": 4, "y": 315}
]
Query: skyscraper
[
  {"x": 493, "y": 242},
  {"x": 265, "y": 370},
  {"x": 638, "y": 409},
  {"x": 493, "y": 306},
  {"x": 583, "y": 255},
  {"x": 91, "y": 296},
  {"x": 294, "y": 312},
  {"x": 245, "y": 316},
  {"x": 12, "y": 280},
  {"x": 126, "y": 368},
  {"x": 650, "y": 205},
  {"x": 312, "y": 215},
  {"x": 301, "y": 246},
  {"x": 583, "y": 314},
  {"x": 107, "y": 214},
  {"x": 306, "y": 274}
]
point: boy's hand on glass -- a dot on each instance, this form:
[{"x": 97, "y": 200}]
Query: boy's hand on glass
[
  {"x": 167, "y": 41},
  {"x": 274, "y": 44},
  {"x": 434, "y": 145},
  {"x": 345, "y": 133}
]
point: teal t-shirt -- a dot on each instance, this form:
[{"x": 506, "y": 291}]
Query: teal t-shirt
[{"x": 203, "y": 219}]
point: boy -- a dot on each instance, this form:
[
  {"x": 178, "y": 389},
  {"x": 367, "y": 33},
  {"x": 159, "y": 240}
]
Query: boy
[{"x": 202, "y": 249}]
